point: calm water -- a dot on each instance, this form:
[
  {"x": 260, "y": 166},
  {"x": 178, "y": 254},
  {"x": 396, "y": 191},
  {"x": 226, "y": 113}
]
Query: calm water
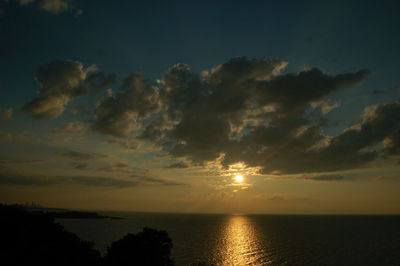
[{"x": 259, "y": 239}]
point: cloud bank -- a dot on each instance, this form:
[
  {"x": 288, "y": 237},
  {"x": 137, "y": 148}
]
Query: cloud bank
[
  {"x": 243, "y": 111},
  {"x": 9, "y": 176}
]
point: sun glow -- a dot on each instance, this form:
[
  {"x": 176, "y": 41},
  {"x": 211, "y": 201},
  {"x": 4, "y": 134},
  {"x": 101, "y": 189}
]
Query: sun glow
[{"x": 239, "y": 178}]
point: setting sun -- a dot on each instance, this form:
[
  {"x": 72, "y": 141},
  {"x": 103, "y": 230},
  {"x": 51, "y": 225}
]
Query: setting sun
[{"x": 239, "y": 178}]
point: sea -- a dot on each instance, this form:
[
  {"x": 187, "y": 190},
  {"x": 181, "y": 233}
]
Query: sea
[{"x": 219, "y": 239}]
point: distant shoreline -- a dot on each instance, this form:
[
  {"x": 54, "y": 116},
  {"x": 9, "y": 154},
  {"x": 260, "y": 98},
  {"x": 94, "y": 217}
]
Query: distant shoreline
[{"x": 70, "y": 214}]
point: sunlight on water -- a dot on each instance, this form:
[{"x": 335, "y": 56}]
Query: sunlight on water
[{"x": 240, "y": 244}]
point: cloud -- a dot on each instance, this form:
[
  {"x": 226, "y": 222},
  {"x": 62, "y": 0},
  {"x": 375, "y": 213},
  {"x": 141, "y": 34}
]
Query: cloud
[
  {"x": 19, "y": 161},
  {"x": 80, "y": 166},
  {"x": 52, "y": 6},
  {"x": 247, "y": 111},
  {"x": 140, "y": 175},
  {"x": 119, "y": 167},
  {"x": 324, "y": 106},
  {"x": 378, "y": 122},
  {"x": 100, "y": 181},
  {"x": 6, "y": 114},
  {"x": 77, "y": 155},
  {"x": 60, "y": 82},
  {"x": 153, "y": 180},
  {"x": 119, "y": 114},
  {"x": 354, "y": 148},
  {"x": 9, "y": 176},
  {"x": 125, "y": 144},
  {"x": 178, "y": 165},
  {"x": 9, "y": 179},
  {"x": 40, "y": 180},
  {"x": 329, "y": 177},
  {"x": 72, "y": 127}
]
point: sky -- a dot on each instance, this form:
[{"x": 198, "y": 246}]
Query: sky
[{"x": 276, "y": 107}]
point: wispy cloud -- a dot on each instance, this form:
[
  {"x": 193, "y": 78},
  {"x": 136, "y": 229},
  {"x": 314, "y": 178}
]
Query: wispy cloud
[
  {"x": 179, "y": 165},
  {"x": 9, "y": 176},
  {"x": 77, "y": 155}
]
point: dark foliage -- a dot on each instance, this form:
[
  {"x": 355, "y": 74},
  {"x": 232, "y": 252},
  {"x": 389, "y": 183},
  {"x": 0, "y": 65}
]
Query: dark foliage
[
  {"x": 150, "y": 247},
  {"x": 33, "y": 238}
]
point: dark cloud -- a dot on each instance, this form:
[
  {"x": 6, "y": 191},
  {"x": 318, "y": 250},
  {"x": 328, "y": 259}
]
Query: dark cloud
[
  {"x": 114, "y": 168},
  {"x": 380, "y": 123},
  {"x": 351, "y": 149},
  {"x": 247, "y": 114},
  {"x": 118, "y": 115},
  {"x": 153, "y": 180},
  {"x": 125, "y": 144},
  {"x": 119, "y": 167},
  {"x": 100, "y": 181},
  {"x": 19, "y": 161},
  {"x": 40, "y": 180},
  {"x": 80, "y": 166},
  {"x": 9, "y": 176},
  {"x": 202, "y": 109},
  {"x": 178, "y": 165},
  {"x": 77, "y": 155},
  {"x": 325, "y": 177},
  {"x": 244, "y": 110},
  {"x": 60, "y": 82},
  {"x": 294, "y": 92}
]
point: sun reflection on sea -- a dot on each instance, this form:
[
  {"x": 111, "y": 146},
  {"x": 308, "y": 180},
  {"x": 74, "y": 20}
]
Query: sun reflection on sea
[{"x": 240, "y": 244}]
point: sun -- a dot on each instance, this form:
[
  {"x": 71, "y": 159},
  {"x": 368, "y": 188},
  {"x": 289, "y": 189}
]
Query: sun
[{"x": 239, "y": 178}]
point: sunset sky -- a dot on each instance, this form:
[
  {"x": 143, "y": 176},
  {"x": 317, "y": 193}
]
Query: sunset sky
[{"x": 201, "y": 106}]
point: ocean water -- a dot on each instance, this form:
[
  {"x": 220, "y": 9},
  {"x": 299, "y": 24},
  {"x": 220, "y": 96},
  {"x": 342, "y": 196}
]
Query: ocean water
[{"x": 258, "y": 239}]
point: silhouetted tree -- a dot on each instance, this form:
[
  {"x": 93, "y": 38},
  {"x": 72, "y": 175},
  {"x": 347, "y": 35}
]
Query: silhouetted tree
[
  {"x": 150, "y": 247},
  {"x": 35, "y": 239}
]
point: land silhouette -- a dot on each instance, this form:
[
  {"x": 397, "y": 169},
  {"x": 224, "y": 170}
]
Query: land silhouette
[{"x": 34, "y": 238}]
